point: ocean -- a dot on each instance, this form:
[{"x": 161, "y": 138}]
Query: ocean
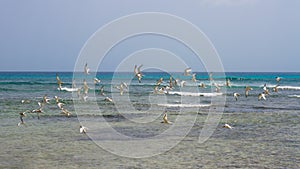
[{"x": 265, "y": 133}]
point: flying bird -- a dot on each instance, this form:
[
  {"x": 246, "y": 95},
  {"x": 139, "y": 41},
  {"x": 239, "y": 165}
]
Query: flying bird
[
  {"x": 227, "y": 126},
  {"x": 58, "y": 82},
  {"x": 96, "y": 80},
  {"x": 86, "y": 69},
  {"x": 82, "y": 129},
  {"x": 165, "y": 119},
  {"x": 236, "y": 96},
  {"x": 194, "y": 77},
  {"x": 187, "y": 72},
  {"x": 247, "y": 89},
  {"x": 137, "y": 72},
  {"x": 261, "y": 95}
]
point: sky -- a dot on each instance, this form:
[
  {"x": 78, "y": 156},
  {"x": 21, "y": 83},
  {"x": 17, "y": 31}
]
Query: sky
[{"x": 249, "y": 35}]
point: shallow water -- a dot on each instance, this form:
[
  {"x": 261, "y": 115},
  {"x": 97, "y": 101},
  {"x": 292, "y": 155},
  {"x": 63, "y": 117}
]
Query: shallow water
[{"x": 265, "y": 134}]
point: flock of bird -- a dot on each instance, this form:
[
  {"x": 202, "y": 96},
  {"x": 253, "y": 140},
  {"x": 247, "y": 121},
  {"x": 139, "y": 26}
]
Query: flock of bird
[{"x": 82, "y": 93}]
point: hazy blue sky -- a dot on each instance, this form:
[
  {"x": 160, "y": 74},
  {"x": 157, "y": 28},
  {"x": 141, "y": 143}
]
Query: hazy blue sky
[{"x": 249, "y": 35}]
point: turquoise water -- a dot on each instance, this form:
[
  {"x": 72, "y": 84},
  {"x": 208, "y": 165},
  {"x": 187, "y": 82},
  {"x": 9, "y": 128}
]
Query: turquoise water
[{"x": 266, "y": 133}]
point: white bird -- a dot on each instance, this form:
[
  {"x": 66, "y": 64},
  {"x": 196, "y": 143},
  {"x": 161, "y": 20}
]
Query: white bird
[
  {"x": 210, "y": 76},
  {"x": 202, "y": 85},
  {"x": 65, "y": 112},
  {"x": 22, "y": 114},
  {"x": 247, "y": 89},
  {"x": 261, "y": 95},
  {"x": 165, "y": 119},
  {"x": 82, "y": 129},
  {"x": 96, "y": 80},
  {"x": 187, "y": 72},
  {"x": 266, "y": 91},
  {"x": 236, "y": 95},
  {"x": 171, "y": 82},
  {"x": 227, "y": 126},
  {"x": 277, "y": 79},
  {"x": 45, "y": 99},
  {"x": 58, "y": 82},
  {"x": 25, "y": 101},
  {"x": 38, "y": 110},
  {"x": 228, "y": 84},
  {"x": 159, "y": 81},
  {"x": 108, "y": 99},
  {"x": 182, "y": 83},
  {"x": 102, "y": 90},
  {"x": 85, "y": 87},
  {"x": 275, "y": 88},
  {"x": 86, "y": 69},
  {"x": 137, "y": 72},
  {"x": 194, "y": 77}
]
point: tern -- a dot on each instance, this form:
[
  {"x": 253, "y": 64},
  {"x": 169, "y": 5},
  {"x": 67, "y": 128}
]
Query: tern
[
  {"x": 261, "y": 95},
  {"x": 227, "y": 126},
  {"x": 165, "y": 119},
  {"x": 159, "y": 81},
  {"x": 228, "y": 83},
  {"x": 58, "y": 82},
  {"x": 194, "y": 77},
  {"x": 96, "y": 80},
  {"x": 202, "y": 85},
  {"x": 22, "y": 114},
  {"x": 45, "y": 99},
  {"x": 102, "y": 90},
  {"x": 86, "y": 69},
  {"x": 65, "y": 112},
  {"x": 275, "y": 88},
  {"x": 187, "y": 72},
  {"x": 38, "y": 110},
  {"x": 108, "y": 99},
  {"x": 137, "y": 72},
  {"x": 247, "y": 89},
  {"x": 236, "y": 95},
  {"x": 278, "y": 79},
  {"x": 82, "y": 129}
]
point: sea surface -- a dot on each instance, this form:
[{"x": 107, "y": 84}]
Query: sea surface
[{"x": 265, "y": 133}]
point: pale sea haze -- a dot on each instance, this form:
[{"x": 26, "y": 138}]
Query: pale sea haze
[{"x": 265, "y": 134}]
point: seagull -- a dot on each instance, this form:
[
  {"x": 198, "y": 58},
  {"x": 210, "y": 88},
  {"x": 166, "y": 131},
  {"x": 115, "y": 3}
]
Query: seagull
[
  {"x": 227, "y": 126},
  {"x": 25, "y": 101},
  {"x": 182, "y": 83},
  {"x": 247, "y": 89},
  {"x": 85, "y": 87},
  {"x": 59, "y": 104},
  {"x": 187, "y": 72},
  {"x": 176, "y": 82},
  {"x": 171, "y": 82},
  {"x": 137, "y": 72},
  {"x": 96, "y": 81},
  {"x": 102, "y": 90},
  {"x": 165, "y": 119},
  {"x": 218, "y": 89},
  {"x": 210, "y": 78},
  {"x": 202, "y": 85},
  {"x": 194, "y": 77},
  {"x": 65, "y": 112},
  {"x": 278, "y": 79},
  {"x": 261, "y": 95},
  {"x": 158, "y": 82},
  {"x": 45, "y": 99},
  {"x": 82, "y": 129},
  {"x": 86, "y": 69},
  {"x": 39, "y": 110},
  {"x": 236, "y": 95},
  {"x": 108, "y": 99},
  {"x": 58, "y": 82},
  {"x": 124, "y": 85},
  {"x": 22, "y": 114},
  {"x": 266, "y": 91},
  {"x": 73, "y": 84},
  {"x": 155, "y": 90},
  {"x": 228, "y": 83},
  {"x": 275, "y": 88}
]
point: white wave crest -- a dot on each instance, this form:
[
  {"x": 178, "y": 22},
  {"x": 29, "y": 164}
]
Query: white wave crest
[
  {"x": 195, "y": 94},
  {"x": 289, "y": 87},
  {"x": 184, "y": 105}
]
